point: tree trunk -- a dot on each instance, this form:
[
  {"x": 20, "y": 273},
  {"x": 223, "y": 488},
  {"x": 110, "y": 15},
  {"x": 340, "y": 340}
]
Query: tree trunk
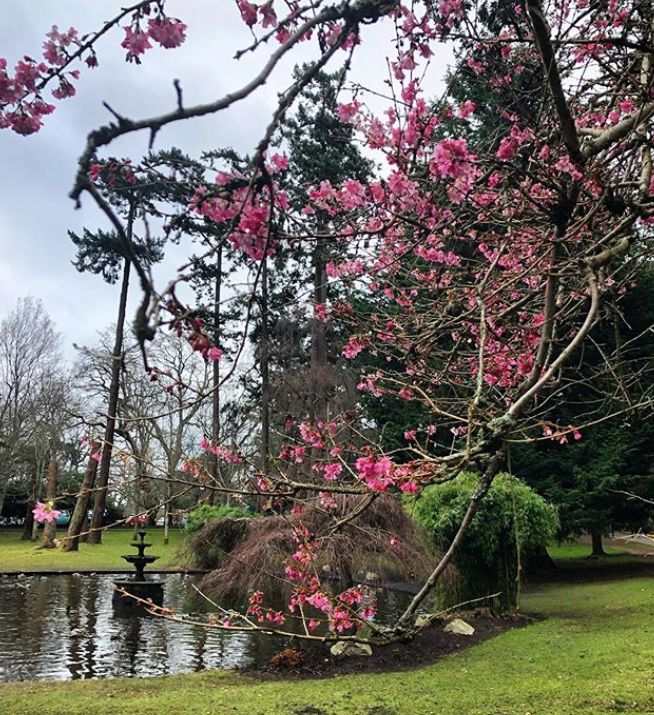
[
  {"x": 50, "y": 528},
  {"x": 318, "y": 335},
  {"x": 539, "y": 561},
  {"x": 598, "y": 546},
  {"x": 215, "y": 378},
  {"x": 100, "y": 499},
  {"x": 78, "y": 519},
  {"x": 265, "y": 375},
  {"x": 28, "y": 526},
  {"x": 166, "y": 524},
  {"x": 84, "y": 536}
]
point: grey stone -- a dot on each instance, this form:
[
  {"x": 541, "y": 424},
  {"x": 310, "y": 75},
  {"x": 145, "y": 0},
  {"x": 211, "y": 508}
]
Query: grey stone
[
  {"x": 459, "y": 627},
  {"x": 349, "y": 650}
]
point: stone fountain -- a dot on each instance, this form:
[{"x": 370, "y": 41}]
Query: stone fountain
[{"x": 139, "y": 585}]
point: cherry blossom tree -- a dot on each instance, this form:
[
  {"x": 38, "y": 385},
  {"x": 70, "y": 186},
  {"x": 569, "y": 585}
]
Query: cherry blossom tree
[{"x": 482, "y": 262}]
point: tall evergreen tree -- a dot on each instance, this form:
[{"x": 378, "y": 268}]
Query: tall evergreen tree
[{"x": 105, "y": 254}]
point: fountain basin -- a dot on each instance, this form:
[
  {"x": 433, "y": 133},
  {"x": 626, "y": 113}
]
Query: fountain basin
[
  {"x": 152, "y": 591},
  {"x": 139, "y": 559}
]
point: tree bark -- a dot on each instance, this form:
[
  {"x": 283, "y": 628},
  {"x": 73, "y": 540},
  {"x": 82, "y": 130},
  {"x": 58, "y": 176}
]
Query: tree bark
[
  {"x": 100, "y": 499},
  {"x": 50, "y": 528},
  {"x": 318, "y": 335},
  {"x": 3, "y": 491},
  {"x": 166, "y": 525},
  {"x": 215, "y": 377},
  {"x": 78, "y": 518},
  {"x": 598, "y": 546},
  {"x": 265, "y": 374},
  {"x": 28, "y": 526}
]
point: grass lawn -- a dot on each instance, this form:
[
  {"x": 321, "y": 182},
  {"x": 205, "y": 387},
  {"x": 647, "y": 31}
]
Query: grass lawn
[
  {"x": 17, "y": 555},
  {"x": 592, "y": 655},
  {"x": 576, "y": 550}
]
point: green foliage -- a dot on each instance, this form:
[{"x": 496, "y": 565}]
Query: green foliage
[
  {"x": 589, "y": 480},
  {"x": 487, "y": 558},
  {"x": 585, "y": 479},
  {"x": 205, "y": 513}
]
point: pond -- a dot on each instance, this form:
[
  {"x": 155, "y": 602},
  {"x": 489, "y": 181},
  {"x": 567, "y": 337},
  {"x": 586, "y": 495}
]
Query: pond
[{"x": 64, "y": 628}]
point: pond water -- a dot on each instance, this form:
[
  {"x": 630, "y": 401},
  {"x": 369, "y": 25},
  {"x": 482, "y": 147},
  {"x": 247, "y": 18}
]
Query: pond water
[{"x": 64, "y": 628}]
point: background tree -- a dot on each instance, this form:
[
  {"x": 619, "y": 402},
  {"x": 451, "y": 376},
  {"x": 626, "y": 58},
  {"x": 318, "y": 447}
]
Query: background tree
[
  {"x": 104, "y": 253},
  {"x": 29, "y": 363}
]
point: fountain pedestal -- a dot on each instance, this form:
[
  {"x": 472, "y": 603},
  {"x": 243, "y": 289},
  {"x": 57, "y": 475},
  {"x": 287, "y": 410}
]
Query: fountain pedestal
[{"x": 139, "y": 585}]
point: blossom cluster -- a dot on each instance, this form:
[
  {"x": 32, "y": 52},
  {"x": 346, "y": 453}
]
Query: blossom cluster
[
  {"x": 22, "y": 103},
  {"x": 44, "y": 512},
  {"x": 346, "y": 611},
  {"x": 165, "y": 31},
  {"x": 245, "y": 211},
  {"x": 221, "y": 452}
]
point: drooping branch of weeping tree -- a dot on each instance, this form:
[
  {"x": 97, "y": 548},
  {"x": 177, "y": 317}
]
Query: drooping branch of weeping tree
[{"x": 249, "y": 554}]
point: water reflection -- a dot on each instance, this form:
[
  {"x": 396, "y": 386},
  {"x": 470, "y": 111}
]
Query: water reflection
[{"x": 64, "y": 628}]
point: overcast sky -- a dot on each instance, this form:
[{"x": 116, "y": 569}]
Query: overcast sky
[{"x": 36, "y": 172}]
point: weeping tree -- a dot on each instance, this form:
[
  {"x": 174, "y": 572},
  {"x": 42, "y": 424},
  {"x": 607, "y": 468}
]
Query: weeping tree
[{"x": 512, "y": 525}]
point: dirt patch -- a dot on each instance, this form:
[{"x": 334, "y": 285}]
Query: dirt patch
[{"x": 430, "y": 645}]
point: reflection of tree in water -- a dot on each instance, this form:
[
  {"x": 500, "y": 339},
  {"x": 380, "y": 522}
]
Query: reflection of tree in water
[
  {"x": 90, "y": 627},
  {"x": 160, "y": 645},
  {"x": 200, "y": 643},
  {"x": 80, "y": 597},
  {"x": 72, "y": 596},
  {"x": 64, "y": 627},
  {"x": 131, "y": 645},
  {"x": 37, "y": 617}
]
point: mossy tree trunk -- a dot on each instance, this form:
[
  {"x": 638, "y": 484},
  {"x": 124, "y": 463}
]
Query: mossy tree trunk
[{"x": 78, "y": 519}]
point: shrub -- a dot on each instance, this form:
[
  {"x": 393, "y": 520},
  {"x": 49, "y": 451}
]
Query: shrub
[
  {"x": 205, "y": 513},
  {"x": 251, "y": 555},
  {"x": 486, "y": 560}
]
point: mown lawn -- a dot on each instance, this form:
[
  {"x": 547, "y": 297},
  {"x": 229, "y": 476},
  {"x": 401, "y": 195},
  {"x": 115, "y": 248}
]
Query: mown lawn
[
  {"x": 576, "y": 550},
  {"x": 19, "y": 556},
  {"x": 592, "y": 655}
]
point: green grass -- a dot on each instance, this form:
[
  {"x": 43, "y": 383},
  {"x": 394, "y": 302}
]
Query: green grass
[
  {"x": 592, "y": 656},
  {"x": 17, "y": 555},
  {"x": 573, "y": 563},
  {"x": 575, "y": 550}
]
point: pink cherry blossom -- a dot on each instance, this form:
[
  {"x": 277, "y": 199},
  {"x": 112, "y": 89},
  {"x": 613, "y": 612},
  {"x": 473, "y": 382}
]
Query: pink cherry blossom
[
  {"x": 167, "y": 32},
  {"x": 248, "y": 12},
  {"x": 332, "y": 471},
  {"x": 354, "y": 346},
  {"x": 45, "y": 512},
  {"x": 135, "y": 42}
]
